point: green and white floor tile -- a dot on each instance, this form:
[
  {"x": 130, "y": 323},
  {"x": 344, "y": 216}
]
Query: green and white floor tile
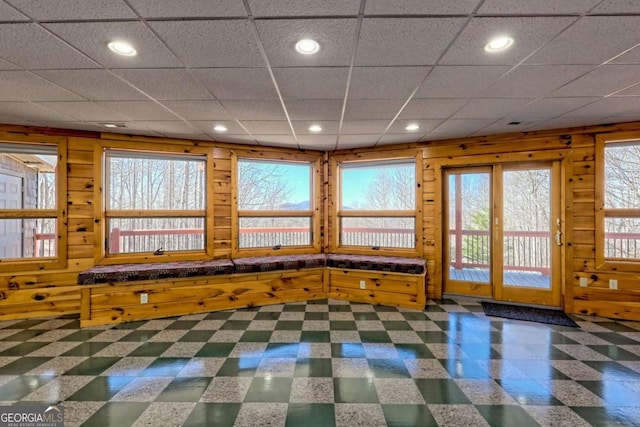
[{"x": 327, "y": 363}]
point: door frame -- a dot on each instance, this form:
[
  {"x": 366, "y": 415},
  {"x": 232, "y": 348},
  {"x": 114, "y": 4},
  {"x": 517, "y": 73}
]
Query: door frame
[{"x": 564, "y": 157}]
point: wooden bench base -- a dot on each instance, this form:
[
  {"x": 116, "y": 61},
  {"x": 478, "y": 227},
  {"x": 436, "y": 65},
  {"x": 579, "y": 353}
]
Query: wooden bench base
[
  {"x": 383, "y": 288},
  {"x": 104, "y": 304}
]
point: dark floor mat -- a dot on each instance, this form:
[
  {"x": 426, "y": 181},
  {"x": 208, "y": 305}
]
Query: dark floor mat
[{"x": 531, "y": 314}]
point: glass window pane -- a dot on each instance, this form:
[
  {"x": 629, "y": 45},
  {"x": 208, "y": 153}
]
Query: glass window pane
[
  {"x": 378, "y": 232},
  {"x": 28, "y": 176},
  {"x": 269, "y": 186},
  {"x": 378, "y": 186},
  {"x": 622, "y": 238},
  {"x": 134, "y": 235},
  {"x": 28, "y": 238},
  {"x": 622, "y": 175},
  {"x": 157, "y": 182},
  {"x": 271, "y": 232}
]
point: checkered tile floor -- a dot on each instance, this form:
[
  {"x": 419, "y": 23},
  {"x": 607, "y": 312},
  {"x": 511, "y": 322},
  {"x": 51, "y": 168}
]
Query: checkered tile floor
[{"x": 327, "y": 363}]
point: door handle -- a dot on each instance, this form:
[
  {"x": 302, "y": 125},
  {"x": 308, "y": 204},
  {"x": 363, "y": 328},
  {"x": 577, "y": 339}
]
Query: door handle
[{"x": 558, "y": 238}]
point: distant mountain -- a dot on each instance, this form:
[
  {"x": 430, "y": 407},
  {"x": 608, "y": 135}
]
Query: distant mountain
[{"x": 300, "y": 206}]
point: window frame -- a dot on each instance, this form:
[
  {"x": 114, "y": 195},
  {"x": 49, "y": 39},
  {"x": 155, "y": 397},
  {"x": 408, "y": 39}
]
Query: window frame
[
  {"x": 59, "y": 212},
  {"x": 314, "y": 212},
  {"x": 102, "y": 256},
  {"x": 336, "y": 203},
  {"x": 601, "y": 212}
]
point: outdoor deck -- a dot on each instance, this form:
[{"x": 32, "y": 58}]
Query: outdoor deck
[{"x": 481, "y": 275}]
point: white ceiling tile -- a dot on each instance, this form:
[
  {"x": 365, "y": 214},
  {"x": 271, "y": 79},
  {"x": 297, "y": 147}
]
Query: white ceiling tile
[
  {"x": 532, "y": 81},
  {"x": 6, "y": 65},
  {"x": 188, "y": 8},
  {"x": 32, "y": 47},
  {"x": 457, "y": 128},
  {"x": 89, "y": 127},
  {"x": 323, "y": 109},
  {"x": 267, "y": 127},
  {"x": 434, "y": 108},
  {"x": 171, "y": 127},
  {"x": 632, "y": 90},
  {"x": 304, "y": 7},
  {"x": 551, "y": 107},
  {"x": 356, "y": 141},
  {"x": 255, "y": 110},
  {"x": 602, "y": 81},
  {"x": 302, "y": 126},
  {"x": 405, "y": 41},
  {"x": 237, "y": 83},
  {"x": 364, "y": 127},
  {"x": 611, "y": 106},
  {"x": 385, "y": 82},
  {"x": 139, "y": 110},
  {"x": 490, "y": 108},
  {"x": 233, "y": 128},
  {"x": 190, "y": 136},
  {"x": 420, "y": 7},
  {"x": 84, "y": 111},
  {"x": 67, "y": 10},
  {"x": 459, "y": 81},
  {"x": 13, "y": 120},
  {"x": 285, "y": 141},
  {"x": 618, "y": 6},
  {"x": 95, "y": 85},
  {"x": 592, "y": 40},
  {"x": 563, "y": 122},
  {"x": 631, "y": 57},
  {"x": 399, "y": 127},
  {"x": 26, "y": 86},
  {"x": 528, "y": 33},
  {"x": 399, "y": 138},
  {"x": 32, "y": 112},
  {"x": 161, "y": 84},
  {"x": 336, "y": 38},
  {"x": 198, "y": 110},
  {"x": 8, "y": 14},
  {"x": 506, "y": 126},
  {"x": 439, "y": 136},
  {"x": 221, "y": 43},
  {"x": 538, "y": 7},
  {"x": 361, "y": 109},
  {"x": 318, "y": 142},
  {"x": 312, "y": 83},
  {"x": 133, "y": 128},
  {"x": 92, "y": 39}
]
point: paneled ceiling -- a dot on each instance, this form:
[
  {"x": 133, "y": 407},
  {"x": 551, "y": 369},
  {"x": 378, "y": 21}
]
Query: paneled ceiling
[{"x": 382, "y": 65}]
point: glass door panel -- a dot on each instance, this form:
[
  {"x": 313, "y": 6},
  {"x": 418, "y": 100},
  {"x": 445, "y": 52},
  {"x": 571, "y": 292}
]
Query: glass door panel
[{"x": 468, "y": 231}]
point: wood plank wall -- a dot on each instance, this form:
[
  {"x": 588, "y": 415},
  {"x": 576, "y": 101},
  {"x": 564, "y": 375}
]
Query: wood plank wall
[{"x": 41, "y": 293}]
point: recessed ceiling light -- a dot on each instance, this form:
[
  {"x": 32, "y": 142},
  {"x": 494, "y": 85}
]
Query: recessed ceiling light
[
  {"x": 114, "y": 125},
  {"x": 412, "y": 126},
  {"x": 122, "y": 48},
  {"x": 307, "y": 46},
  {"x": 220, "y": 128},
  {"x": 315, "y": 128},
  {"x": 499, "y": 44}
]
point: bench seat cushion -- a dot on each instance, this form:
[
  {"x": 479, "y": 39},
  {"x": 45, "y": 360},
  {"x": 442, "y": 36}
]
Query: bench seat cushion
[
  {"x": 133, "y": 272},
  {"x": 377, "y": 263},
  {"x": 279, "y": 262}
]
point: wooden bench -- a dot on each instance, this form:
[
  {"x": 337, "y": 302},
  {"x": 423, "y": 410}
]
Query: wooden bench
[
  {"x": 129, "y": 292},
  {"x": 115, "y": 294},
  {"x": 380, "y": 280}
]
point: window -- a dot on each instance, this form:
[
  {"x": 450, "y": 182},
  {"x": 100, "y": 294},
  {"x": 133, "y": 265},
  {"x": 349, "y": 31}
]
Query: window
[
  {"x": 377, "y": 205},
  {"x": 276, "y": 205},
  {"x": 619, "y": 217},
  {"x": 31, "y": 226},
  {"x": 154, "y": 202}
]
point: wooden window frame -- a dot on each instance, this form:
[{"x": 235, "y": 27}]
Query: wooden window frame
[
  {"x": 602, "y": 213},
  {"x": 59, "y": 212},
  {"x": 101, "y": 214},
  {"x": 313, "y": 213},
  {"x": 336, "y": 202}
]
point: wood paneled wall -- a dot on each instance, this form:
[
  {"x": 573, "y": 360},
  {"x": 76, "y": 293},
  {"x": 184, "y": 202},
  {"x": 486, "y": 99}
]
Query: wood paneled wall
[{"x": 51, "y": 292}]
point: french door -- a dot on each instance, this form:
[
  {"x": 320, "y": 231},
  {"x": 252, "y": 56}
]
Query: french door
[{"x": 502, "y": 232}]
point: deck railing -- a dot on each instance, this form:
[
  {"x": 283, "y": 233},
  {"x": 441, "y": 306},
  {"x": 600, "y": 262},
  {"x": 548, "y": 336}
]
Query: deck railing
[{"x": 469, "y": 248}]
